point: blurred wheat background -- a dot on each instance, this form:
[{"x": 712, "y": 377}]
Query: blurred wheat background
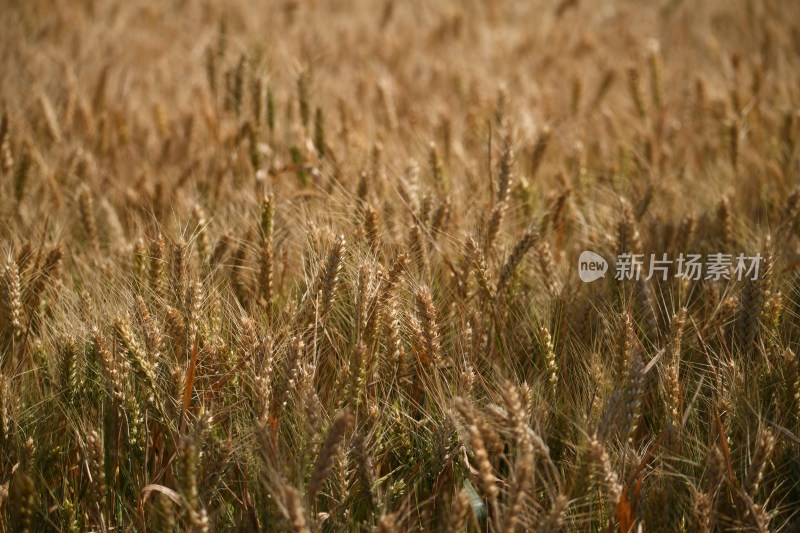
[{"x": 313, "y": 266}]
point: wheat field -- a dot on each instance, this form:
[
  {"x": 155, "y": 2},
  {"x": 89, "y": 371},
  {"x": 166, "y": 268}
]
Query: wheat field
[{"x": 319, "y": 266}]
